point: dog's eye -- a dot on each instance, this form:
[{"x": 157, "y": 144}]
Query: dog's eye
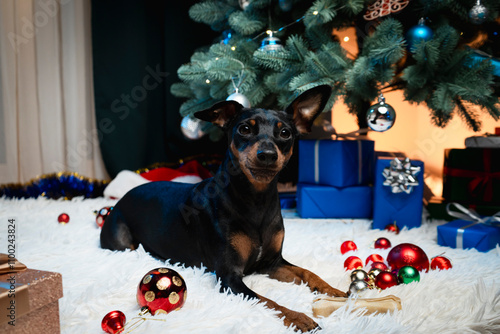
[
  {"x": 285, "y": 133},
  {"x": 244, "y": 129}
]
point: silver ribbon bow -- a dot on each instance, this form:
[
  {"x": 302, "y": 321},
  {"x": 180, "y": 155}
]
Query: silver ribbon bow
[
  {"x": 401, "y": 176},
  {"x": 459, "y": 211}
]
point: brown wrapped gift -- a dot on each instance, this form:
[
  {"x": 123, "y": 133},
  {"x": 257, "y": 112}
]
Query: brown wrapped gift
[
  {"x": 36, "y": 302},
  {"x": 324, "y": 306}
]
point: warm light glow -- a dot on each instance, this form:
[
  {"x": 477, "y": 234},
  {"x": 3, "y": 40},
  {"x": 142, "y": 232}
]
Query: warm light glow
[
  {"x": 269, "y": 32},
  {"x": 207, "y": 81},
  {"x": 233, "y": 48},
  {"x": 346, "y": 39},
  {"x": 315, "y": 12}
]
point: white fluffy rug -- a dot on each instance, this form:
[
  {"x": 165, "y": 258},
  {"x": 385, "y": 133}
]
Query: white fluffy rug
[{"x": 465, "y": 299}]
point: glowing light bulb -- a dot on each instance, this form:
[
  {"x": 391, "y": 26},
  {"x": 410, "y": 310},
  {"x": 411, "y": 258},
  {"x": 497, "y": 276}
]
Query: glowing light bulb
[
  {"x": 207, "y": 81},
  {"x": 346, "y": 39},
  {"x": 315, "y": 12}
]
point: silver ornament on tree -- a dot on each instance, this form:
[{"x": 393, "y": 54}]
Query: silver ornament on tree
[
  {"x": 237, "y": 96},
  {"x": 240, "y": 98},
  {"x": 381, "y": 116},
  {"x": 244, "y": 4},
  {"x": 271, "y": 43},
  {"x": 478, "y": 13},
  {"x": 191, "y": 127}
]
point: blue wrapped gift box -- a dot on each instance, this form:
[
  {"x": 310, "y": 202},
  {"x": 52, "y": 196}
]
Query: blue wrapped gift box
[
  {"x": 402, "y": 208},
  {"x": 465, "y": 234},
  {"x": 338, "y": 163},
  {"x": 314, "y": 201}
]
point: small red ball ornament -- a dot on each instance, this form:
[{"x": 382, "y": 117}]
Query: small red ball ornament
[
  {"x": 348, "y": 246},
  {"x": 441, "y": 263},
  {"x": 385, "y": 280},
  {"x": 408, "y": 255},
  {"x": 379, "y": 265},
  {"x": 113, "y": 322},
  {"x": 392, "y": 228},
  {"x": 382, "y": 243},
  {"x": 353, "y": 262},
  {"x": 161, "y": 290},
  {"x": 63, "y": 218},
  {"x": 374, "y": 258},
  {"x": 102, "y": 214}
]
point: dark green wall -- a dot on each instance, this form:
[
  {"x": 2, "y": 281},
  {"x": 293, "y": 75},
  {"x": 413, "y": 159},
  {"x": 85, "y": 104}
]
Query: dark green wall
[{"x": 137, "y": 48}]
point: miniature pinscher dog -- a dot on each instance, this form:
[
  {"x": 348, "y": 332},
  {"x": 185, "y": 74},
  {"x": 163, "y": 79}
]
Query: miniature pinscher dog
[{"x": 230, "y": 223}]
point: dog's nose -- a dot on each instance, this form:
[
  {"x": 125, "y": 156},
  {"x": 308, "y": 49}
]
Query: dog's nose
[{"x": 267, "y": 156}]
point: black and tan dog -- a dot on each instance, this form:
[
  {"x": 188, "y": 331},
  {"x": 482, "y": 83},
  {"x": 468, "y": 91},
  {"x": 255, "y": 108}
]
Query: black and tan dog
[{"x": 230, "y": 223}]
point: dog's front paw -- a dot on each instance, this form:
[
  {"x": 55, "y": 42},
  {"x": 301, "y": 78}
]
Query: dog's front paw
[
  {"x": 301, "y": 321},
  {"x": 334, "y": 292}
]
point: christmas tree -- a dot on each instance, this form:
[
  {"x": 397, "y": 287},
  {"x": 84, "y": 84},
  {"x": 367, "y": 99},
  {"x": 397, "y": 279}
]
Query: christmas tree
[{"x": 269, "y": 51}]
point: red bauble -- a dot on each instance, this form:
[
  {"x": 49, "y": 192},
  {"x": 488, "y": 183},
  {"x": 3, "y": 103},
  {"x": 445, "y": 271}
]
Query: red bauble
[
  {"x": 385, "y": 280},
  {"x": 161, "y": 290},
  {"x": 408, "y": 255},
  {"x": 392, "y": 228},
  {"x": 353, "y": 262},
  {"x": 63, "y": 218},
  {"x": 102, "y": 214},
  {"x": 348, "y": 246},
  {"x": 441, "y": 263},
  {"x": 382, "y": 243},
  {"x": 113, "y": 322},
  {"x": 379, "y": 265},
  {"x": 374, "y": 258}
]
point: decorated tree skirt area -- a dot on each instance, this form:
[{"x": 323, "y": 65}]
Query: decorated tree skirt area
[{"x": 463, "y": 299}]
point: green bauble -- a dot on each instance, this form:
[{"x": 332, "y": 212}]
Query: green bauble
[{"x": 408, "y": 274}]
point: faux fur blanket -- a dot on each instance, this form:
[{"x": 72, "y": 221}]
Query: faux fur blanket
[{"x": 465, "y": 299}]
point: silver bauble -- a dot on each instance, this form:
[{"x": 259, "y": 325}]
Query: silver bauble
[
  {"x": 359, "y": 275},
  {"x": 358, "y": 286},
  {"x": 244, "y": 4},
  {"x": 478, "y": 13},
  {"x": 381, "y": 116},
  {"x": 240, "y": 98},
  {"x": 192, "y": 127},
  {"x": 374, "y": 272}
]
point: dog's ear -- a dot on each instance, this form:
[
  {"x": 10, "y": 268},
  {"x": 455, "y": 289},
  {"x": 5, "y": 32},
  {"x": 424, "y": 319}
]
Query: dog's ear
[
  {"x": 308, "y": 106},
  {"x": 220, "y": 113}
]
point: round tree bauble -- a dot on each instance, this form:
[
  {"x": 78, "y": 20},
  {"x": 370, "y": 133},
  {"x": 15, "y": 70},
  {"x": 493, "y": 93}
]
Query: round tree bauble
[
  {"x": 408, "y": 255},
  {"x": 385, "y": 280},
  {"x": 240, "y": 98},
  {"x": 161, "y": 290},
  {"x": 348, "y": 246}
]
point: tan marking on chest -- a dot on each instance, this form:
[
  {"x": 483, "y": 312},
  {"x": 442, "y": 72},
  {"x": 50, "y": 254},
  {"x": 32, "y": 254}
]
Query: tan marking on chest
[
  {"x": 277, "y": 240},
  {"x": 243, "y": 245}
]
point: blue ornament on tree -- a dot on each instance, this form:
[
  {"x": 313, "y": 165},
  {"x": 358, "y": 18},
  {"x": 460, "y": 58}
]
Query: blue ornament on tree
[{"x": 418, "y": 33}]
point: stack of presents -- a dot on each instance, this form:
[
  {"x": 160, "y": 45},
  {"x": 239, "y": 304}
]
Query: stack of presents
[{"x": 349, "y": 179}]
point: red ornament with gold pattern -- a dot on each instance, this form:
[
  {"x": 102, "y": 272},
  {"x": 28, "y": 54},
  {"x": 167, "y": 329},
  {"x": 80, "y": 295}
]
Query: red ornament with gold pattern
[{"x": 161, "y": 290}]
